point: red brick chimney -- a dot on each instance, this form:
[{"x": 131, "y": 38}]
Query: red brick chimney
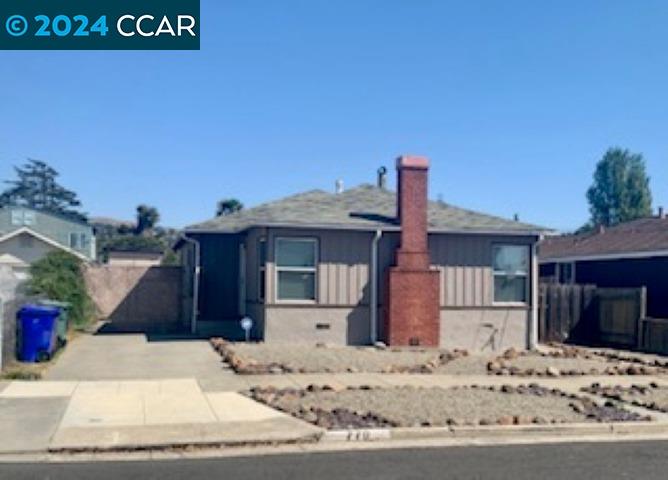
[{"x": 413, "y": 313}]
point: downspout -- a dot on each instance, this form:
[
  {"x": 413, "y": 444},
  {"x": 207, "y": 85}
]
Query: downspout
[
  {"x": 373, "y": 327},
  {"x": 194, "y": 312},
  {"x": 533, "y": 323}
]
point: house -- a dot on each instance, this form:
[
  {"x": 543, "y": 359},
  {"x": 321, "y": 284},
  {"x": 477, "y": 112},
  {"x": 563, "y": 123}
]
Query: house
[
  {"x": 134, "y": 258},
  {"x": 363, "y": 265},
  {"x": 628, "y": 255},
  {"x": 26, "y": 235}
]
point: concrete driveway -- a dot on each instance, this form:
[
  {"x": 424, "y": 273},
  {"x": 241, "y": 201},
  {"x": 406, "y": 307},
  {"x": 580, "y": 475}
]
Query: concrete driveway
[{"x": 136, "y": 356}]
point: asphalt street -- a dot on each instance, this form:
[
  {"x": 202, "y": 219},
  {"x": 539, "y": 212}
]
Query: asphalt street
[{"x": 636, "y": 460}]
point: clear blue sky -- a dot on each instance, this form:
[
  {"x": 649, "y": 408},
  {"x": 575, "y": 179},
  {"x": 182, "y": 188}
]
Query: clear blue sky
[{"x": 514, "y": 102}]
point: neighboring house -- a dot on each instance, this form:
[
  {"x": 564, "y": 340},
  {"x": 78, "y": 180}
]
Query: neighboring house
[
  {"x": 629, "y": 255},
  {"x": 134, "y": 258},
  {"x": 349, "y": 268},
  {"x": 26, "y": 235}
]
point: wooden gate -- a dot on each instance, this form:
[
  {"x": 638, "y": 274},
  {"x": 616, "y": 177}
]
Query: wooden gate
[{"x": 620, "y": 311}]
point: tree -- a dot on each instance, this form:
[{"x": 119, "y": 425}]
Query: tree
[
  {"x": 37, "y": 187},
  {"x": 228, "y": 206},
  {"x": 620, "y": 191},
  {"x": 147, "y": 218}
]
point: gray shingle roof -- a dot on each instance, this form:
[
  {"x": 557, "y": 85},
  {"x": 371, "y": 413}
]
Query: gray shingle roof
[{"x": 365, "y": 207}]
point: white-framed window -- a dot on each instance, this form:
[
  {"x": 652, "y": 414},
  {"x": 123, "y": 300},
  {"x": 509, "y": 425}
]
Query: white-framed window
[
  {"x": 83, "y": 240},
  {"x": 28, "y": 217},
  {"x": 74, "y": 240},
  {"x": 261, "y": 268},
  {"x": 296, "y": 269},
  {"x": 510, "y": 264},
  {"x": 566, "y": 273},
  {"x": 17, "y": 217}
]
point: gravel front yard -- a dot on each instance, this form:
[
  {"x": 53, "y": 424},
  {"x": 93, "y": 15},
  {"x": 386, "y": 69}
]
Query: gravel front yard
[
  {"x": 249, "y": 358},
  {"x": 410, "y": 406},
  {"x": 541, "y": 363},
  {"x": 333, "y": 359},
  {"x": 566, "y": 360},
  {"x": 263, "y": 358}
]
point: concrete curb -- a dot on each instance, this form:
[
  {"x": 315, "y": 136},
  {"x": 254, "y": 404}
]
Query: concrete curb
[
  {"x": 493, "y": 431},
  {"x": 159, "y": 446},
  {"x": 181, "y": 437}
]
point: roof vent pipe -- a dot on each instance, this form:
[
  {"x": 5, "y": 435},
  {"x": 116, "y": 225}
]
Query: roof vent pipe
[
  {"x": 338, "y": 186},
  {"x": 662, "y": 213},
  {"x": 382, "y": 178}
]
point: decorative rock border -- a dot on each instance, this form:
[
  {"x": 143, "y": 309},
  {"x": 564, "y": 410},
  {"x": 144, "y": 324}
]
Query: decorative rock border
[
  {"x": 616, "y": 392},
  {"x": 342, "y": 418},
  {"x": 502, "y": 365},
  {"x": 428, "y": 367},
  {"x": 246, "y": 366}
]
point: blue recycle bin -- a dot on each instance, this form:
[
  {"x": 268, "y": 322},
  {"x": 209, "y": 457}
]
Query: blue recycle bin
[{"x": 37, "y": 332}]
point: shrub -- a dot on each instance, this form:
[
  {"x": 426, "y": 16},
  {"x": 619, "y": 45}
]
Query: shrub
[{"x": 59, "y": 276}]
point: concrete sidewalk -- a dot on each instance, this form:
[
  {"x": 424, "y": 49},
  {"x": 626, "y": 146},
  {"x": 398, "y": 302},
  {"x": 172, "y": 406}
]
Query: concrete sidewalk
[
  {"x": 114, "y": 415},
  {"x": 78, "y": 416}
]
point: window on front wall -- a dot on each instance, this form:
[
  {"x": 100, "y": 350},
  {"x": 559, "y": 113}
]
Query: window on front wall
[
  {"x": 511, "y": 273},
  {"x": 296, "y": 269},
  {"x": 74, "y": 240}
]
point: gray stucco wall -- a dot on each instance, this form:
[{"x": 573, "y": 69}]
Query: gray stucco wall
[
  {"x": 333, "y": 325},
  {"x": 484, "y": 330}
]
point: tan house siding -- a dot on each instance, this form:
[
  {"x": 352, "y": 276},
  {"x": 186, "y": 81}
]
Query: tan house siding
[
  {"x": 343, "y": 265},
  {"x": 465, "y": 263},
  {"x": 341, "y": 312}
]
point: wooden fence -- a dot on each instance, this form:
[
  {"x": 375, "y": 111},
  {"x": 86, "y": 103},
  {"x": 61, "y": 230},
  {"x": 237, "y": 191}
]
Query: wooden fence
[
  {"x": 654, "y": 335},
  {"x": 590, "y": 315}
]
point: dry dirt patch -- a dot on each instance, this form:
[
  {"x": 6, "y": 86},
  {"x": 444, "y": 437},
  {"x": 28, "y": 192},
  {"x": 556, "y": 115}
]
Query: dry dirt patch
[{"x": 367, "y": 407}]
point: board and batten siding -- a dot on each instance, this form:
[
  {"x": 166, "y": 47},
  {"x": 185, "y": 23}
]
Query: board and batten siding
[
  {"x": 343, "y": 265},
  {"x": 465, "y": 265},
  {"x": 464, "y": 262}
]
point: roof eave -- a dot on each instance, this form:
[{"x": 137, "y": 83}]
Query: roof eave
[
  {"x": 605, "y": 256},
  {"x": 370, "y": 228}
]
